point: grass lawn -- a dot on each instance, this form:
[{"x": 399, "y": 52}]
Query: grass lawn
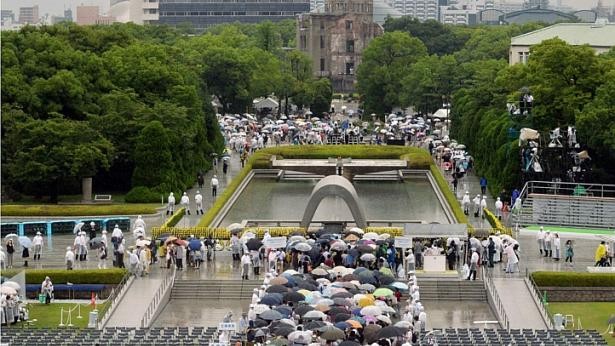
[
  {"x": 77, "y": 209},
  {"x": 593, "y": 315},
  {"x": 48, "y": 316},
  {"x": 560, "y": 229}
]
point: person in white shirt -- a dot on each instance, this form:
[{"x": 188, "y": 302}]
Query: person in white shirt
[
  {"x": 498, "y": 208},
  {"x": 139, "y": 222},
  {"x": 214, "y": 186},
  {"x": 185, "y": 202},
  {"x": 465, "y": 202},
  {"x": 198, "y": 200},
  {"x": 512, "y": 260},
  {"x": 69, "y": 258},
  {"x": 476, "y": 201},
  {"x": 116, "y": 236},
  {"x": 483, "y": 206},
  {"x": 37, "y": 241},
  {"x": 104, "y": 238},
  {"x": 272, "y": 259},
  {"x": 473, "y": 264},
  {"x": 170, "y": 204},
  {"x": 540, "y": 239},
  {"x": 548, "y": 244},
  {"x": 557, "y": 246},
  {"x": 245, "y": 266}
]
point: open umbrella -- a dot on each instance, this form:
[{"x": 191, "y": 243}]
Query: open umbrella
[
  {"x": 383, "y": 292},
  {"x": 343, "y": 294},
  {"x": 386, "y": 271},
  {"x": 351, "y": 237},
  {"x": 319, "y": 272},
  {"x": 331, "y": 333},
  {"x": 298, "y": 238},
  {"x": 370, "y": 333},
  {"x": 170, "y": 240},
  {"x": 314, "y": 315},
  {"x": 283, "y": 331},
  {"x": 96, "y": 243},
  {"x": 25, "y": 241},
  {"x": 339, "y": 270},
  {"x": 313, "y": 325},
  {"x": 271, "y": 315},
  {"x": 386, "y": 280},
  {"x": 259, "y": 323},
  {"x": 367, "y": 287},
  {"x": 371, "y": 310},
  {"x": 339, "y": 246},
  {"x": 279, "y": 281},
  {"x": 354, "y": 323},
  {"x": 341, "y": 317},
  {"x": 286, "y": 311},
  {"x": 7, "y": 290},
  {"x": 271, "y": 299},
  {"x": 303, "y": 309},
  {"x": 277, "y": 289},
  {"x": 144, "y": 243},
  {"x": 293, "y": 297},
  {"x": 389, "y": 332},
  {"x": 78, "y": 227},
  {"x": 12, "y": 284},
  {"x": 194, "y": 244},
  {"x": 234, "y": 227},
  {"x": 303, "y": 247},
  {"x": 368, "y": 257},
  {"x": 400, "y": 286},
  {"x": 260, "y": 308},
  {"x": 371, "y": 235},
  {"x": 384, "y": 319},
  {"x": 254, "y": 244}
]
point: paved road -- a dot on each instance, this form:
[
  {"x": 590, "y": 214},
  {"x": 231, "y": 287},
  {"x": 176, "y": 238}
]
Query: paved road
[{"x": 519, "y": 304}]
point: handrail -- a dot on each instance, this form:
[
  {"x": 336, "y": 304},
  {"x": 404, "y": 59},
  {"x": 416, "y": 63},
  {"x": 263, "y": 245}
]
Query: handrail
[
  {"x": 167, "y": 282},
  {"x": 531, "y": 285},
  {"x": 495, "y": 298},
  {"x": 115, "y": 295}
]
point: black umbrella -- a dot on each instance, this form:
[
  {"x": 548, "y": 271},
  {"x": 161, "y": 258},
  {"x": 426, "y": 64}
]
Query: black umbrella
[
  {"x": 349, "y": 277},
  {"x": 359, "y": 270},
  {"x": 367, "y": 277},
  {"x": 254, "y": 244},
  {"x": 313, "y": 325},
  {"x": 271, "y": 315},
  {"x": 307, "y": 285},
  {"x": 337, "y": 310},
  {"x": 303, "y": 309},
  {"x": 293, "y": 297},
  {"x": 258, "y": 323},
  {"x": 283, "y": 330},
  {"x": 341, "y": 317},
  {"x": 96, "y": 243},
  {"x": 389, "y": 332},
  {"x": 364, "y": 249},
  {"x": 271, "y": 299},
  {"x": 277, "y": 289},
  {"x": 284, "y": 310},
  {"x": 386, "y": 280},
  {"x": 341, "y": 295},
  {"x": 349, "y": 343}
]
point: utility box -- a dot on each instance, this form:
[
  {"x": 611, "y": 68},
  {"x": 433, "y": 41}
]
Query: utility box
[{"x": 93, "y": 321}]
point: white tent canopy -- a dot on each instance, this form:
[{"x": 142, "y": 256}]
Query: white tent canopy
[
  {"x": 263, "y": 103},
  {"x": 441, "y": 113}
]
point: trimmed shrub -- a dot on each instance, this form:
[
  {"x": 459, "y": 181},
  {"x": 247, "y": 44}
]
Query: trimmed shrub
[
  {"x": 76, "y": 210},
  {"x": 496, "y": 224},
  {"x": 141, "y": 194},
  {"x": 450, "y": 198},
  {"x": 174, "y": 219},
  {"x": 79, "y": 276},
  {"x": 573, "y": 279}
]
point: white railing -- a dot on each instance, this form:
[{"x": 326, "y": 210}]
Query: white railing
[
  {"x": 495, "y": 300},
  {"x": 165, "y": 285},
  {"x": 116, "y": 295},
  {"x": 531, "y": 285}
]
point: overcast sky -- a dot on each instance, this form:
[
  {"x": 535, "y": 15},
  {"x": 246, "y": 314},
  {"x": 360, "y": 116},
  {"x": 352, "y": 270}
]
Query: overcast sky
[{"x": 56, "y": 7}]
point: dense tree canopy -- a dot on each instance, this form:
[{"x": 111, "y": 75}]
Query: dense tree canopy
[{"x": 131, "y": 105}]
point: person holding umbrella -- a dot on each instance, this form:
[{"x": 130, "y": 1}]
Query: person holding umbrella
[{"x": 25, "y": 243}]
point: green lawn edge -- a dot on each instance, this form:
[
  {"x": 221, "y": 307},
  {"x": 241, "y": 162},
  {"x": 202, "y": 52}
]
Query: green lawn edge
[
  {"x": 572, "y": 230},
  {"x": 594, "y": 315},
  {"x": 77, "y": 210},
  {"x": 417, "y": 158}
]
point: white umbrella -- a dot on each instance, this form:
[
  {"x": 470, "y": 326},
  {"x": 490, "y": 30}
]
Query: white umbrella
[
  {"x": 303, "y": 247},
  {"x": 384, "y": 236},
  {"x": 12, "y": 236},
  {"x": 296, "y": 238},
  {"x": 403, "y": 324},
  {"x": 315, "y": 314},
  {"x": 12, "y": 284},
  {"x": 371, "y": 235},
  {"x": 371, "y": 310},
  {"x": 384, "y": 318},
  {"x": 339, "y": 270},
  {"x": 260, "y": 308},
  {"x": 7, "y": 290},
  {"x": 78, "y": 227},
  {"x": 368, "y": 257},
  {"x": 234, "y": 226},
  {"x": 356, "y": 230}
]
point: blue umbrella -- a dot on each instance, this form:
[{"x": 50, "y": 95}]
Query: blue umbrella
[
  {"x": 25, "y": 242},
  {"x": 342, "y": 325},
  {"x": 194, "y": 244},
  {"x": 271, "y": 299},
  {"x": 284, "y": 310}
]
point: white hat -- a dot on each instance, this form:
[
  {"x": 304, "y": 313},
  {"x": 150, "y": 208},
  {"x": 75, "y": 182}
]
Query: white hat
[
  {"x": 197, "y": 191},
  {"x": 185, "y": 193},
  {"x": 92, "y": 223},
  {"x": 117, "y": 226},
  {"x": 38, "y": 233},
  {"x": 104, "y": 231},
  {"x": 68, "y": 248},
  {"x": 473, "y": 249}
]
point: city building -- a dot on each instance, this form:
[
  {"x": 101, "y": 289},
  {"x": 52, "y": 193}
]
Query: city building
[
  {"x": 68, "y": 17},
  {"x": 335, "y": 38},
  {"x": 29, "y": 15},
  {"x": 464, "y": 12},
  {"x": 201, "y": 14},
  {"x": 135, "y": 11},
  {"x": 600, "y": 36},
  {"x": 421, "y": 9},
  {"x": 87, "y": 15}
]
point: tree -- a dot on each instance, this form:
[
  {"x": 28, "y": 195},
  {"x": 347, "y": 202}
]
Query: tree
[
  {"x": 438, "y": 38},
  {"x": 322, "y": 94},
  {"x": 430, "y": 81},
  {"x": 386, "y": 60},
  {"x": 153, "y": 158},
  {"x": 54, "y": 151},
  {"x": 227, "y": 75}
]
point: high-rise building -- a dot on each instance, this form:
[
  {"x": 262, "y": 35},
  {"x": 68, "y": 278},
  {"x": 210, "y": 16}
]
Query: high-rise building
[
  {"x": 135, "y": 11},
  {"x": 201, "y": 14},
  {"x": 335, "y": 38},
  {"x": 87, "y": 15},
  {"x": 29, "y": 15},
  {"x": 420, "y": 9}
]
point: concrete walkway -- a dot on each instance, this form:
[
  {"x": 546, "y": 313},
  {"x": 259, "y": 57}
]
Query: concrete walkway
[
  {"x": 518, "y": 303},
  {"x": 134, "y": 304}
]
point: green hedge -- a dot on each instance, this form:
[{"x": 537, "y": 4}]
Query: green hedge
[
  {"x": 450, "y": 197},
  {"x": 79, "y": 276},
  {"x": 142, "y": 194},
  {"x": 174, "y": 219},
  {"x": 573, "y": 279},
  {"x": 496, "y": 224},
  {"x": 417, "y": 159},
  {"x": 77, "y": 209}
]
